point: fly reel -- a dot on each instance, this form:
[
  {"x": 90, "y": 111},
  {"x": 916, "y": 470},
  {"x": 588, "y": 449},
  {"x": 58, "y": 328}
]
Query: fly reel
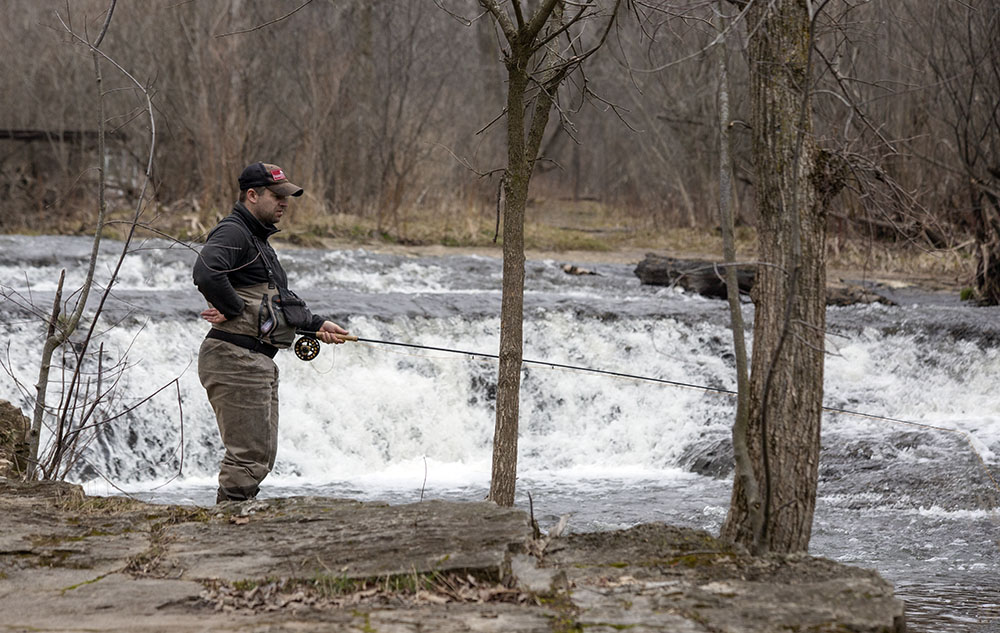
[{"x": 306, "y": 348}]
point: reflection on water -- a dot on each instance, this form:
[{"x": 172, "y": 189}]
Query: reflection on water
[{"x": 939, "y": 605}]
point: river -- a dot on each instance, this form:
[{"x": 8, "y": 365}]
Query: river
[{"x": 379, "y": 422}]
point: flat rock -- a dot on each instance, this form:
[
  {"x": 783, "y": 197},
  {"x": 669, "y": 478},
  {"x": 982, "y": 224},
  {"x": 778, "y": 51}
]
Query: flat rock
[
  {"x": 74, "y": 563},
  {"x": 304, "y": 536},
  {"x": 711, "y": 586}
]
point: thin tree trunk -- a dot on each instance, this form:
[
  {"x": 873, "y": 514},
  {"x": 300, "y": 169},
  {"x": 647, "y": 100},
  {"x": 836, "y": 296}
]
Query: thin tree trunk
[
  {"x": 504, "y": 475},
  {"x": 524, "y": 151},
  {"x": 57, "y": 336},
  {"x": 526, "y": 47},
  {"x": 741, "y": 451}
]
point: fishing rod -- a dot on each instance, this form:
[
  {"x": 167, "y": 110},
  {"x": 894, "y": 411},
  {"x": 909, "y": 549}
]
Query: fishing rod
[{"x": 307, "y": 348}]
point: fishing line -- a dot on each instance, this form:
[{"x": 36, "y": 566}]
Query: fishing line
[
  {"x": 605, "y": 372},
  {"x": 674, "y": 383}
]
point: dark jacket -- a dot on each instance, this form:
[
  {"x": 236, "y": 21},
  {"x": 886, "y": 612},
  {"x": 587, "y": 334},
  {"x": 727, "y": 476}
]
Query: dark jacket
[{"x": 231, "y": 260}]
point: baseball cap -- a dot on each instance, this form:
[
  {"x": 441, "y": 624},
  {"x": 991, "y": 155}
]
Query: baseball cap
[{"x": 270, "y": 176}]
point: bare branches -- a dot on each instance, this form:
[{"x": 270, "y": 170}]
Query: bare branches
[
  {"x": 268, "y": 23},
  {"x": 508, "y": 28},
  {"x": 887, "y": 81},
  {"x": 727, "y": 32},
  {"x": 107, "y": 24},
  {"x": 82, "y": 395},
  {"x": 460, "y": 18},
  {"x": 541, "y": 17},
  {"x": 524, "y": 36}
]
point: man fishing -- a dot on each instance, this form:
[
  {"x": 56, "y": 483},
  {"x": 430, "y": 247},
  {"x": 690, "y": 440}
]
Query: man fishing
[{"x": 253, "y": 315}]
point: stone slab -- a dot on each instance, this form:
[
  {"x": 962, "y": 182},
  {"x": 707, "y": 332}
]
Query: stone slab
[
  {"x": 69, "y": 563},
  {"x": 308, "y": 536}
]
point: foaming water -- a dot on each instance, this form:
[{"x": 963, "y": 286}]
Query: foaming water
[{"x": 394, "y": 424}]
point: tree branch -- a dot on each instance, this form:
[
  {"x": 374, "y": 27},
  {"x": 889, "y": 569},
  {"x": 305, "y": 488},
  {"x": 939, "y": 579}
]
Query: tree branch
[{"x": 269, "y": 23}]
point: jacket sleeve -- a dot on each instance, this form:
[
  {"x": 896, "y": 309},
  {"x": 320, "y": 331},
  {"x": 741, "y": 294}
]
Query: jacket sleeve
[
  {"x": 317, "y": 322},
  {"x": 224, "y": 252}
]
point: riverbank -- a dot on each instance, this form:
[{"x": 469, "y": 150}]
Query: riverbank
[
  {"x": 939, "y": 271},
  {"x": 854, "y": 277},
  {"x": 71, "y": 563},
  {"x": 580, "y": 232}
]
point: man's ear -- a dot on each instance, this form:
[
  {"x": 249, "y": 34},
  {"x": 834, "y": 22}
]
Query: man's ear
[{"x": 252, "y": 196}]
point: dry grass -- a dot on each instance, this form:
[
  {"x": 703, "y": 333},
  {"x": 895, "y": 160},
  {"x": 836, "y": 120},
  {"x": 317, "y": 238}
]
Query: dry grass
[
  {"x": 557, "y": 226},
  {"x": 940, "y": 268},
  {"x": 550, "y": 225}
]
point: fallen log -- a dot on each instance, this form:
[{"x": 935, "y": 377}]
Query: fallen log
[
  {"x": 708, "y": 279},
  {"x": 694, "y": 275}
]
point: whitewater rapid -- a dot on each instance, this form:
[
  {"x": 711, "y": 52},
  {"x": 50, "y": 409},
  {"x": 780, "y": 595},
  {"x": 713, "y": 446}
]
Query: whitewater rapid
[{"x": 399, "y": 424}]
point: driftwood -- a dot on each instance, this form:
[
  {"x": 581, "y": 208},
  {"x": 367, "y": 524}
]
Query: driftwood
[
  {"x": 708, "y": 279},
  {"x": 694, "y": 275}
]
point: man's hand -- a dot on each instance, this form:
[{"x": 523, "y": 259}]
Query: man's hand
[
  {"x": 330, "y": 332},
  {"x": 212, "y": 315}
]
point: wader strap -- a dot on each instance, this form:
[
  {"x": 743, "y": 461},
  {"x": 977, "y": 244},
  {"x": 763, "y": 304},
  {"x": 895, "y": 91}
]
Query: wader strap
[{"x": 242, "y": 340}]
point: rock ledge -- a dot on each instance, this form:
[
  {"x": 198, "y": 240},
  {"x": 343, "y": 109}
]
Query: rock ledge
[{"x": 70, "y": 562}]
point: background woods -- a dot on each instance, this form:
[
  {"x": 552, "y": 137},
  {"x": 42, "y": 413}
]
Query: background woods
[{"x": 386, "y": 110}]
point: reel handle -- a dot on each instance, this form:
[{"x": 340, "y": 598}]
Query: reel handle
[{"x": 346, "y": 337}]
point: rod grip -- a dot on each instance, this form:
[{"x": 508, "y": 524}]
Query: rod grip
[{"x": 346, "y": 337}]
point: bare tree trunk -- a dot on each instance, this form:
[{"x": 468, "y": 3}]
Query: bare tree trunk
[
  {"x": 527, "y": 36},
  {"x": 786, "y": 387},
  {"x": 504, "y": 474},
  {"x": 522, "y": 150},
  {"x": 741, "y": 448}
]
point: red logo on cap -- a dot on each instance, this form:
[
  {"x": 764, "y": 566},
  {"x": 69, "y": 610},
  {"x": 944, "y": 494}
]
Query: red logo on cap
[{"x": 277, "y": 174}]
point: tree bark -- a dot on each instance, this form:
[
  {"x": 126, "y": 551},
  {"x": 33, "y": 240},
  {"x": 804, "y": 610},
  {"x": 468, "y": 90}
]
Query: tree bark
[
  {"x": 504, "y": 474},
  {"x": 522, "y": 151},
  {"x": 743, "y": 464},
  {"x": 786, "y": 383},
  {"x": 531, "y": 42}
]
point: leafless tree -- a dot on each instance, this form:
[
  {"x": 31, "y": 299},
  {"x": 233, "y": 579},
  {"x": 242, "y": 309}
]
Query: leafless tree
[
  {"x": 540, "y": 50},
  {"x": 744, "y": 467},
  {"x": 373, "y": 104},
  {"x": 84, "y": 394},
  {"x": 958, "y": 44}
]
